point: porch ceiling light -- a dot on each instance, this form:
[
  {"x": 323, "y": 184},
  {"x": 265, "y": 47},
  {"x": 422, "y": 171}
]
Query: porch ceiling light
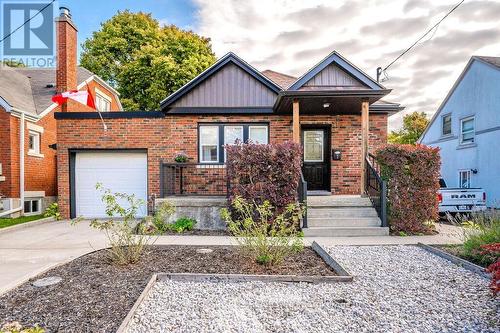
[{"x": 326, "y": 105}]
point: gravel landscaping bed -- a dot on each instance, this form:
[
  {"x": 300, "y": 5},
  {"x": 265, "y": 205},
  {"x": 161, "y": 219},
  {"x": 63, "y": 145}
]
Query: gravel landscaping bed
[
  {"x": 396, "y": 289},
  {"x": 94, "y": 296}
]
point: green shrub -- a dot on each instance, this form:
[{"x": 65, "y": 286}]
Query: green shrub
[
  {"x": 183, "y": 224},
  {"x": 479, "y": 229},
  {"x": 126, "y": 246},
  {"x": 266, "y": 237},
  {"x": 163, "y": 211},
  {"x": 53, "y": 210}
]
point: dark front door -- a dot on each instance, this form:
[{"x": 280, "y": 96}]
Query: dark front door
[{"x": 316, "y": 168}]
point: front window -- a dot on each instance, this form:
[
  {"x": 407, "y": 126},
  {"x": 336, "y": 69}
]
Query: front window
[
  {"x": 467, "y": 130},
  {"x": 209, "y": 144},
  {"x": 446, "y": 130},
  {"x": 213, "y": 138},
  {"x": 34, "y": 142},
  {"x": 464, "y": 179}
]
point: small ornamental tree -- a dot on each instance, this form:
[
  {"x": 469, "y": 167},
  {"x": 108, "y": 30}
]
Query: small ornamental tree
[
  {"x": 259, "y": 173},
  {"x": 412, "y": 174}
]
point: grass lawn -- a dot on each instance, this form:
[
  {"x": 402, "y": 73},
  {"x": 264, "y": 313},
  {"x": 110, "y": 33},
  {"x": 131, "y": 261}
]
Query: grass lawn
[{"x": 23, "y": 219}]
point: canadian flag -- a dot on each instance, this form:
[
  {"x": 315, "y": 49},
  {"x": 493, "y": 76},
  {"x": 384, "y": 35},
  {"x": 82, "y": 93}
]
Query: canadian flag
[{"x": 81, "y": 96}]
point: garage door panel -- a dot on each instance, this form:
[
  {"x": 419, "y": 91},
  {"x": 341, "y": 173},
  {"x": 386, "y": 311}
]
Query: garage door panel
[{"x": 124, "y": 172}]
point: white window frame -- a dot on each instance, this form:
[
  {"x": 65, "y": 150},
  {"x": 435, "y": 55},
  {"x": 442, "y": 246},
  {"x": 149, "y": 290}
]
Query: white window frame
[
  {"x": 473, "y": 130},
  {"x": 202, "y": 145},
  {"x": 259, "y": 127},
  {"x": 35, "y": 151},
  {"x": 442, "y": 125},
  {"x": 102, "y": 98},
  {"x": 31, "y": 212},
  {"x": 469, "y": 178},
  {"x": 322, "y": 146}
]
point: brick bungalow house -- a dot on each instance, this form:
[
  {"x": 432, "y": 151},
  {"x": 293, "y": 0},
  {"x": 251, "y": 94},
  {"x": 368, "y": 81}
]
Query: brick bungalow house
[
  {"x": 334, "y": 109},
  {"x": 28, "y": 181}
]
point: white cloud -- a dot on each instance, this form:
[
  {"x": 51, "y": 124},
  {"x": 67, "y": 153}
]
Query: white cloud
[{"x": 292, "y": 35}]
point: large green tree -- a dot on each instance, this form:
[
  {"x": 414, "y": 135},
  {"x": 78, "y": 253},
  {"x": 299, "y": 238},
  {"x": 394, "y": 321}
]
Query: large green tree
[
  {"x": 414, "y": 125},
  {"x": 144, "y": 61}
]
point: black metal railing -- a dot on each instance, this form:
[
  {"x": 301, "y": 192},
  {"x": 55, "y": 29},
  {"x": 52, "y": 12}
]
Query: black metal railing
[
  {"x": 193, "y": 179},
  {"x": 302, "y": 196},
  {"x": 376, "y": 188}
]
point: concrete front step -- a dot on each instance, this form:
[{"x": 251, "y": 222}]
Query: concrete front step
[
  {"x": 338, "y": 201},
  {"x": 333, "y": 212},
  {"x": 343, "y": 222},
  {"x": 345, "y": 231}
]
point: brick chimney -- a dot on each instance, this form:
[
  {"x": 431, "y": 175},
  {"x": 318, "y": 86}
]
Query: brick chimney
[{"x": 66, "y": 33}]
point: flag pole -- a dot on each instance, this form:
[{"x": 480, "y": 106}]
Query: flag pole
[{"x": 99, "y": 112}]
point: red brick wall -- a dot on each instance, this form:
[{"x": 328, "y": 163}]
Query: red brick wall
[
  {"x": 5, "y": 186},
  {"x": 164, "y": 137}
]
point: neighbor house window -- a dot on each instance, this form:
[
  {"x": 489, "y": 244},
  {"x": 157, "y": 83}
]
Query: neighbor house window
[
  {"x": 32, "y": 206},
  {"x": 467, "y": 130},
  {"x": 446, "y": 130},
  {"x": 213, "y": 138},
  {"x": 34, "y": 142},
  {"x": 464, "y": 180},
  {"x": 102, "y": 102}
]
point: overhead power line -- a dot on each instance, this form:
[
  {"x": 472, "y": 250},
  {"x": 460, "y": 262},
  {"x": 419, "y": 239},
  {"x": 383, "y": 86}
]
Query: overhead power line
[
  {"x": 380, "y": 70},
  {"x": 25, "y": 22}
]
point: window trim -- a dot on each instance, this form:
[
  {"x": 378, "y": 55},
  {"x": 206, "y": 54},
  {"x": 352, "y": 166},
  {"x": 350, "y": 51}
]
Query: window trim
[
  {"x": 200, "y": 145},
  {"x": 31, "y": 212},
  {"x": 442, "y": 125},
  {"x": 462, "y": 120},
  {"x": 36, "y": 151},
  {"x": 103, "y": 96},
  {"x": 469, "y": 172},
  {"x": 259, "y": 126},
  {"x": 220, "y": 139}
]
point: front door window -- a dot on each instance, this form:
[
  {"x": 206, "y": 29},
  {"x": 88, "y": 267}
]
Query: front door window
[{"x": 313, "y": 146}]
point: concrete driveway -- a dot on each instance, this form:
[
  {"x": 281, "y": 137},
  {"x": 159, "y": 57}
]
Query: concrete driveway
[{"x": 28, "y": 251}]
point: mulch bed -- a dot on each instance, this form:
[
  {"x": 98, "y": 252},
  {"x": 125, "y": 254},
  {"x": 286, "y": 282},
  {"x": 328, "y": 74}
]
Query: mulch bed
[{"x": 95, "y": 296}]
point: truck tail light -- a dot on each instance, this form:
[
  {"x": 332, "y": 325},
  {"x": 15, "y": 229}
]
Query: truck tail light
[{"x": 440, "y": 197}]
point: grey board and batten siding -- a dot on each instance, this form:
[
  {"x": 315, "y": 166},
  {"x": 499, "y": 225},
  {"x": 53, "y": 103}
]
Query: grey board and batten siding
[
  {"x": 229, "y": 87},
  {"x": 332, "y": 76}
]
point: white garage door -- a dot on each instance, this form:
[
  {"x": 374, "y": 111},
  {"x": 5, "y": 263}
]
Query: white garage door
[{"x": 124, "y": 172}]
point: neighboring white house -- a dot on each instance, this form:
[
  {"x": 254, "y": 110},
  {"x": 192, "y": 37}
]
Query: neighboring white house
[{"x": 467, "y": 129}]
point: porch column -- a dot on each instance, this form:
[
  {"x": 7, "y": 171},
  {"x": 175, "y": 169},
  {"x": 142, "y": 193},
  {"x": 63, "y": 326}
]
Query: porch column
[
  {"x": 364, "y": 141},
  {"x": 296, "y": 122}
]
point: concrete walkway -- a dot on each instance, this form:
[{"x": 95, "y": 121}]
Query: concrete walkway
[{"x": 29, "y": 251}]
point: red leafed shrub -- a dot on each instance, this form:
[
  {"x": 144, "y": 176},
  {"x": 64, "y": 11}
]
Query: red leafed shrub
[
  {"x": 493, "y": 251},
  {"x": 264, "y": 172},
  {"x": 412, "y": 174}
]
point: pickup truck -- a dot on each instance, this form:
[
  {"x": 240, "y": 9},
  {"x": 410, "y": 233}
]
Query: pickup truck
[{"x": 460, "y": 200}]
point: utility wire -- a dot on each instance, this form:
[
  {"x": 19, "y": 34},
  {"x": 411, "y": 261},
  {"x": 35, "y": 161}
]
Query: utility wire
[
  {"x": 380, "y": 70},
  {"x": 19, "y": 27}
]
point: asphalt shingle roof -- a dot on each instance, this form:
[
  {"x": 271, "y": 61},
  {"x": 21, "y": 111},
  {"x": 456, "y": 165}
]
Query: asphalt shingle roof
[
  {"x": 495, "y": 61},
  {"x": 27, "y": 88}
]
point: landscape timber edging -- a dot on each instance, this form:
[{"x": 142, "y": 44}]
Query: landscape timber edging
[{"x": 456, "y": 260}]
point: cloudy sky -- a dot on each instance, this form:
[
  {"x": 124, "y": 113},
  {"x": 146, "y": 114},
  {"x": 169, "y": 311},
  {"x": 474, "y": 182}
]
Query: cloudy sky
[{"x": 292, "y": 35}]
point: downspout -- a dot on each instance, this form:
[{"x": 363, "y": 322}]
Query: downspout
[
  {"x": 21, "y": 163},
  {"x": 21, "y": 170}
]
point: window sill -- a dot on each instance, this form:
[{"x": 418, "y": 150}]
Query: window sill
[
  {"x": 447, "y": 136},
  {"x": 34, "y": 154},
  {"x": 2, "y": 178},
  {"x": 210, "y": 166},
  {"x": 466, "y": 145}
]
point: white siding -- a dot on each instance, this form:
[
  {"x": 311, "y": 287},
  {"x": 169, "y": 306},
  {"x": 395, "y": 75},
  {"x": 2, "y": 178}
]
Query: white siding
[{"x": 478, "y": 94}]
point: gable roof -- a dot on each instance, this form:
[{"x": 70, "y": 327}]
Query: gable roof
[
  {"x": 493, "y": 62},
  {"x": 226, "y": 59},
  {"x": 283, "y": 80},
  {"x": 31, "y": 89},
  {"x": 344, "y": 64}
]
